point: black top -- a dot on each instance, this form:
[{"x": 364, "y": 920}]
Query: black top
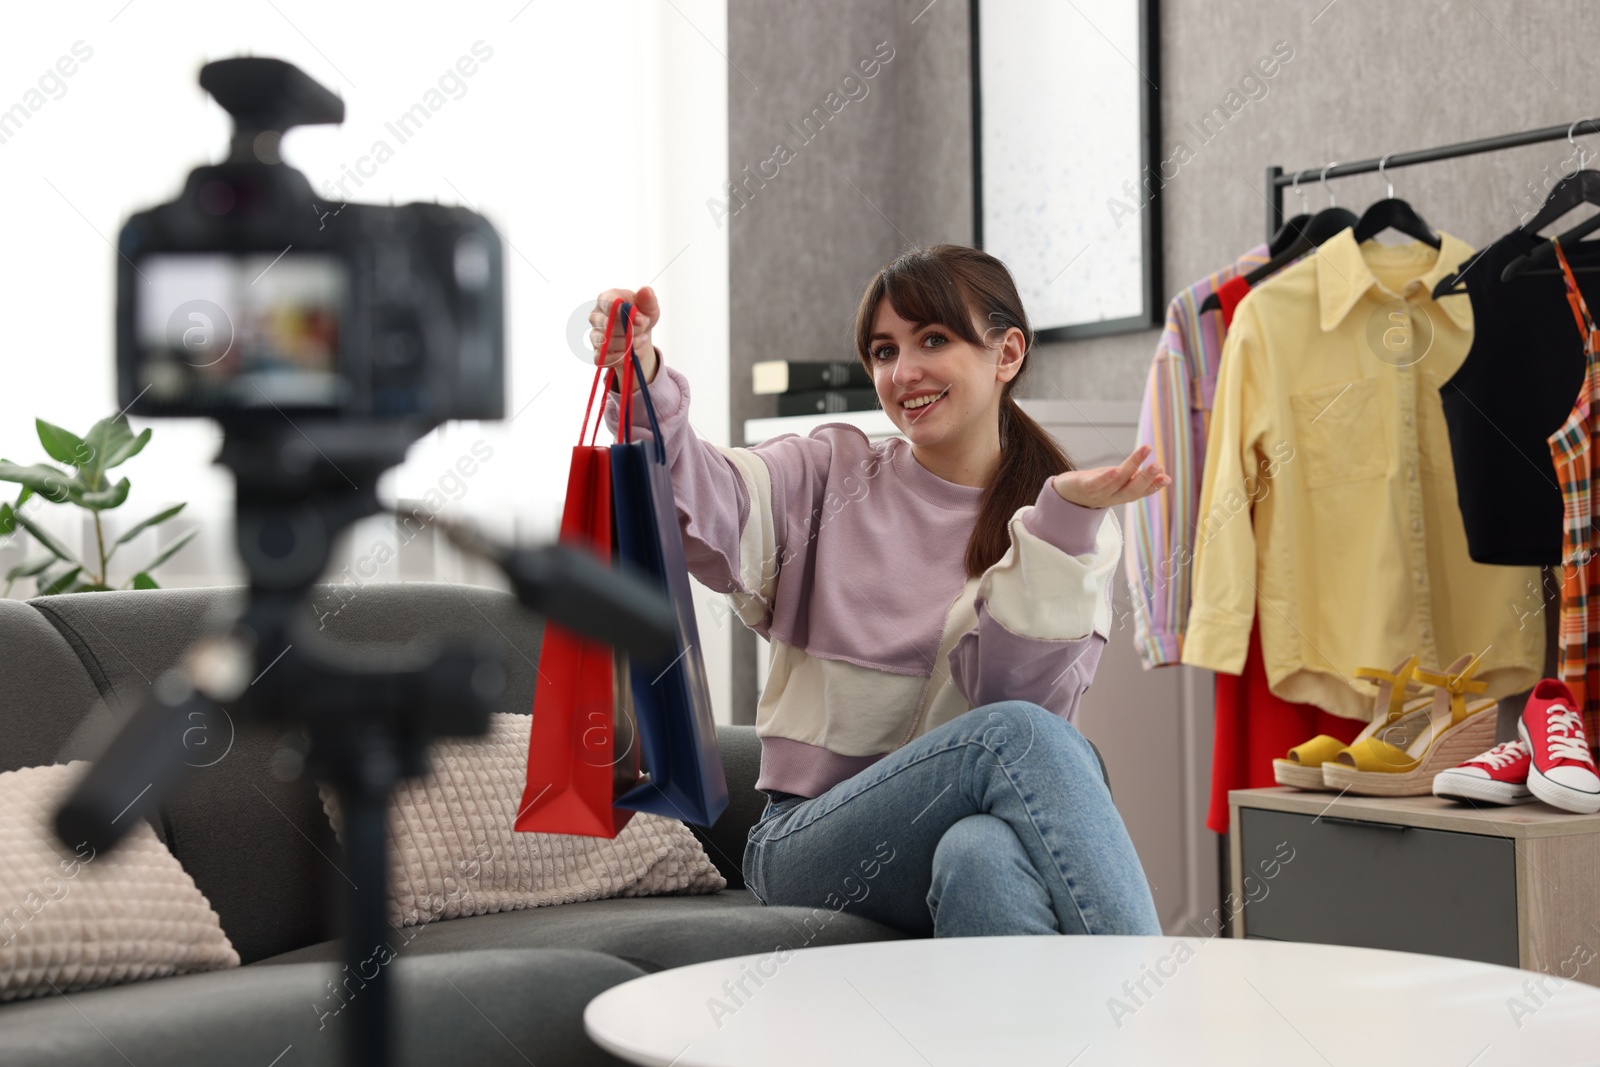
[{"x": 1514, "y": 389}]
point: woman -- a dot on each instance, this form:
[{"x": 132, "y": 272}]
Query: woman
[{"x": 936, "y": 607}]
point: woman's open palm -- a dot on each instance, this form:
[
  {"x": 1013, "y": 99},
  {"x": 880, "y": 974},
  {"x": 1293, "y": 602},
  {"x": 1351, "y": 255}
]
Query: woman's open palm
[{"x": 1105, "y": 486}]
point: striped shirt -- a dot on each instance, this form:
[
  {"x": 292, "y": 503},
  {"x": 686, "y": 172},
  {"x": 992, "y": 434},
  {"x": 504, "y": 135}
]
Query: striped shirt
[{"x": 1173, "y": 421}]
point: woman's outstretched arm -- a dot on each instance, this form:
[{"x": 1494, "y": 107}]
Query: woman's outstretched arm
[
  {"x": 725, "y": 498},
  {"x": 1044, "y": 609}
]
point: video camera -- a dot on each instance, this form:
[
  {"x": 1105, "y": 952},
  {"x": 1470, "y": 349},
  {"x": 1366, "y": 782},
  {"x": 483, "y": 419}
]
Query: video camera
[{"x": 248, "y": 297}]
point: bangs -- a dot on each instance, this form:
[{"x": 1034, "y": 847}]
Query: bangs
[{"x": 923, "y": 291}]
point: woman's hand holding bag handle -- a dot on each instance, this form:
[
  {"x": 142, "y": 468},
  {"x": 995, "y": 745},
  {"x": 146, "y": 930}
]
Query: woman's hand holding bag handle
[{"x": 611, "y": 346}]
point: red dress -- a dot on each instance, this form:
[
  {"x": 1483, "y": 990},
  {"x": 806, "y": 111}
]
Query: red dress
[{"x": 1253, "y": 727}]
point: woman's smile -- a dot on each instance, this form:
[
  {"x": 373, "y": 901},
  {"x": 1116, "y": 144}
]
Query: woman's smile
[{"x": 917, "y": 404}]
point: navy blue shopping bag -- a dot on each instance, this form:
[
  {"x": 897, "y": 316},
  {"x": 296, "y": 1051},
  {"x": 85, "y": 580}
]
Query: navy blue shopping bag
[{"x": 677, "y": 734}]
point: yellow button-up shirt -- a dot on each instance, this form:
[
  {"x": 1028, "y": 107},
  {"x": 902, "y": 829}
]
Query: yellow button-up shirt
[{"x": 1328, "y": 507}]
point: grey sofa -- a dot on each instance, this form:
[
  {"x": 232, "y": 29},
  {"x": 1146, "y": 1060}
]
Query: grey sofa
[{"x": 506, "y": 988}]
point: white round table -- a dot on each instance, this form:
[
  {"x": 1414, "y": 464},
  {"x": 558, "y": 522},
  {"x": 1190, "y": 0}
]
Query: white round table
[{"x": 1090, "y": 1001}]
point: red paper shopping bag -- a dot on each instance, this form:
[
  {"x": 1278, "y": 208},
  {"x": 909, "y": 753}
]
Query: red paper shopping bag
[{"x": 582, "y": 751}]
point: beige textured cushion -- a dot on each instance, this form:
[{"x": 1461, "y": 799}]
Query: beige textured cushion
[
  {"x": 71, "y": 919},
  {"x": 452, "y": 851}
]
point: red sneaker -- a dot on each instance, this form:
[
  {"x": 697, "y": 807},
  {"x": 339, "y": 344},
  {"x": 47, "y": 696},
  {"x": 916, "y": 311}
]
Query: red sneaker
[
  {"x": 1563, "y": 774},
  {"x": 1498, "y": 776}
]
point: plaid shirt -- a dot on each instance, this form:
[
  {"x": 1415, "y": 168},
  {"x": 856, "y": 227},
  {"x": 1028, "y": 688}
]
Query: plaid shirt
[{"x": 1570, "y": 448}]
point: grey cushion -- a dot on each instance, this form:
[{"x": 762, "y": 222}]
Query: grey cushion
[
  {"x": 491, "y": 1007},
  {"x": 46, "y": 692},
  {"x": 126, "y": 638},
  {"x": 653, "y": 933},
  {"x": 259, "y": 848}
]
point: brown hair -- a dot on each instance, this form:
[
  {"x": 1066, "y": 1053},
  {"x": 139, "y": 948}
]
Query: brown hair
[{"x": 949, "y": 285}]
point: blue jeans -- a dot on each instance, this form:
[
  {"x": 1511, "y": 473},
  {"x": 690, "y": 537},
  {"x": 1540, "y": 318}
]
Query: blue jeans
[{"x": 997, "y": 822}]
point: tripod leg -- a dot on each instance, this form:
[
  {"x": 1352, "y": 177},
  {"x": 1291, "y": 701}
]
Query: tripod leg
[{"x": 368, "y": 1033}]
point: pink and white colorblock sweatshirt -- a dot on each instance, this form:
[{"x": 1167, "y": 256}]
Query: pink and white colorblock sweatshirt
[{"x": 848, "y": 556}]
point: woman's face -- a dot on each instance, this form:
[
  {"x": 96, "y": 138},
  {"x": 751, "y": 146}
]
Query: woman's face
[{"x": 936, "y": 387}]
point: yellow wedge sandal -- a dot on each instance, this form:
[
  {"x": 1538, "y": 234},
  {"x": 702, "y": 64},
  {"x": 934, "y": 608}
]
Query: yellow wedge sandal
[
  {"x": 1302, "y": 769},
  {"x": 1401, "y": 759}
]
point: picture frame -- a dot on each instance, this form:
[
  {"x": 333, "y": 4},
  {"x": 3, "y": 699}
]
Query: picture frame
[{"x": 1074, "y": 212}]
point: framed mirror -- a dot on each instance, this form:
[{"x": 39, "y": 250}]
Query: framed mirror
[{"x": 1065, "y": 128}]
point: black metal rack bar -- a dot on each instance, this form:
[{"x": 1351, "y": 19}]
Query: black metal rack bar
[{"x": 1278, "y": 179}]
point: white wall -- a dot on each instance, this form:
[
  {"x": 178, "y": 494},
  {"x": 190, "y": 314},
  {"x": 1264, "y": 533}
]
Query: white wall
[{"x": 578, "y": 137}]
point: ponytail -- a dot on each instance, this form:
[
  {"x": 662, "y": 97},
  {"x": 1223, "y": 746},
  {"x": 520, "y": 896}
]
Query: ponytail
[
  {"x": 950, "y": 285},
  {"x": 1028, "y": 455}
]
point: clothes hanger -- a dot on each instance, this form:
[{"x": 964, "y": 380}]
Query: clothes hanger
[
  {"x": 1289, "y": 231},
  {"x": 1545, "y": 253},
  {"x": 1322, "y": 226},
  {"x": 1572, "y": 191},
  {"x": 1392, "y": 213},
  {"x": 1287, "y": 234}
]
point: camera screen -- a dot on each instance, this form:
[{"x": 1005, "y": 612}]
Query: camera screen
[{"x": 219, "y": 330}]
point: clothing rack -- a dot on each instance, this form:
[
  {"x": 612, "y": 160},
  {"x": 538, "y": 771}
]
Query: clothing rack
[{"x": 1278, "y": 179}]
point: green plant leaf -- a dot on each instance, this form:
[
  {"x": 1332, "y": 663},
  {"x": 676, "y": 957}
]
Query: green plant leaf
[
  {"x": 155, "y": 520},
  {"x": 22, "y": 497},
  {"x": 170, "y": 551},
  {"x": 65, "y": 582},
  {"x": 128, "y": 450},
  {"x": 103, "y": 499},
  {"x": 56, "y": 569},
  {"x": 8, "y": 520},
  {"x": 144, "y": 581},
  {"x": 107, "y": 439},
  {"x": 54, "y": 485},
  {"x": 63, "y": 446},
  {"x": 30, "y": 568},
  {"x": 47, "y": 542}
]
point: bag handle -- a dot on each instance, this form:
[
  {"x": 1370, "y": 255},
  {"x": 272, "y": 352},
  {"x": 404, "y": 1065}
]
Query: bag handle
[
  {"x": 629, "y": 370},
  {"x": 625, "y": 402},
  {"x": 609, "y": 373}
]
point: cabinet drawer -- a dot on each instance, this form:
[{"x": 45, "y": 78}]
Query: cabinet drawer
[{"x": 1378, "y": 885}]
